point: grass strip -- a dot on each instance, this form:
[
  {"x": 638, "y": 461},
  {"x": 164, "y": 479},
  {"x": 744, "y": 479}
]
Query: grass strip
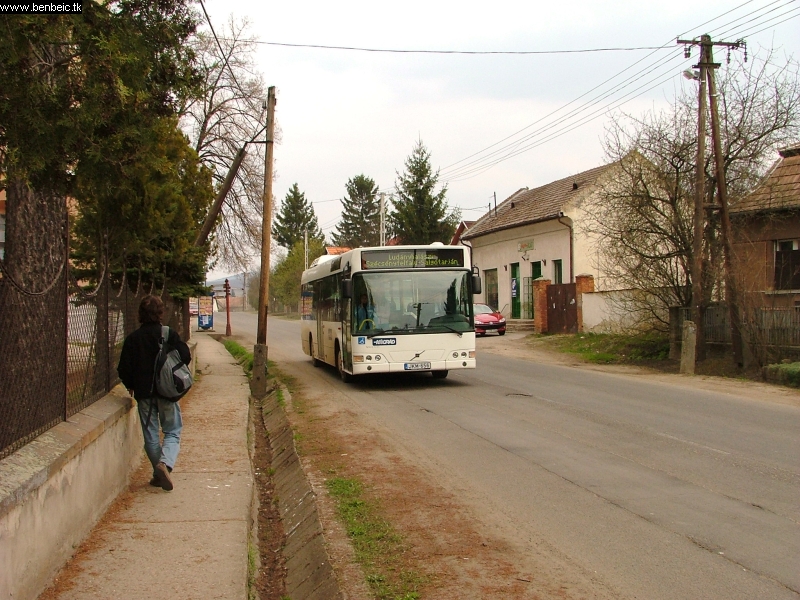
[
  {"x": 375, "y": 543},
  {"x": 608, "y": 348},
  {"x": 241, "y": 354}
]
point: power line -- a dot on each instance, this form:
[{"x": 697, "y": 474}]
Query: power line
[
  {"x": 513, "y": 148},
  {"x": 225, "y": 57},
  {"x": 462, "y": 52},
  {"x": 665, "y": 45}
]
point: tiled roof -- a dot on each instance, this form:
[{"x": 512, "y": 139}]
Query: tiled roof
[
  {"x": 779, "y": 190},
  {"x": 531, "y": 206},
  {"x": 336, "y": 250}
]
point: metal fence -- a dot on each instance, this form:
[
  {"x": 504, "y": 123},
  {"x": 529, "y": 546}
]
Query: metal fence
[{"x": 59, "y": 342}]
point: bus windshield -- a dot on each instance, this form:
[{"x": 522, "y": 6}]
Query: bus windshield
[{"x": 411, "y": 302}]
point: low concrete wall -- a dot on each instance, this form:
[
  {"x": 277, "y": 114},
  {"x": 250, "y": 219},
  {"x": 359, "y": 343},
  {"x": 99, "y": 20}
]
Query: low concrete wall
[
  {"x": 54, "y": 490},
  {"x": 309, "y": 574},
  {"x": 608, "y": 312}
]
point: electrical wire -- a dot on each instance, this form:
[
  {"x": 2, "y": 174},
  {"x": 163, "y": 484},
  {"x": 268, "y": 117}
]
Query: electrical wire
[
  {"x": 462, "y": 52},
  {"x": 225, "y": 58},
  {"x": 514, "y": 148},
  {"x": 776, "y": 24},
  {"x": 634, "y": 79}
]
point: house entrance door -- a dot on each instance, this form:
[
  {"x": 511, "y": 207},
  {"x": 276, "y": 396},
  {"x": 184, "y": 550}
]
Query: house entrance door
[{"x": 515, "y": 291}]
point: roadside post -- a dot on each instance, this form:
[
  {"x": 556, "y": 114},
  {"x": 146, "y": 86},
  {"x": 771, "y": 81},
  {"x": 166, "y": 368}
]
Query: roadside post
[{"x": 227, "y": 308}]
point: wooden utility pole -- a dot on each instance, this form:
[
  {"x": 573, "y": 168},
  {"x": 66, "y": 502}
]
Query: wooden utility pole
[
  {"x": 707, "y": 67},
  {"x": 731, "y": 291},
  {"x": 258, "y": 384},
  {"x": 698, "y": 302},
  {"x": 216, "y": 208}
]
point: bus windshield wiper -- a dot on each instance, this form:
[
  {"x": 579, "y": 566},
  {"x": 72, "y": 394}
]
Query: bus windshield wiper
[{"x": 460, "y": 333}]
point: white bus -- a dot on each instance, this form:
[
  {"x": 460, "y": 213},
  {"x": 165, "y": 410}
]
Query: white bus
[{"x": 391, "y": 309}]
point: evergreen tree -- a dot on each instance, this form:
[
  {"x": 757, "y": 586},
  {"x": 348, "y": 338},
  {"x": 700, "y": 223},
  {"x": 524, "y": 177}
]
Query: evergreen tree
[
  {"x": 296, "y": 214},
  {"x": 421, "y": 215},
  {"x": 360, "y": 224}
]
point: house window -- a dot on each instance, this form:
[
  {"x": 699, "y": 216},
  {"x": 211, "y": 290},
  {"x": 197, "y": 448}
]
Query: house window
[
  {"x": 787, "y": 264},
  {"x": 490, "y": 277},
  {"x": 558, "y": 272}
]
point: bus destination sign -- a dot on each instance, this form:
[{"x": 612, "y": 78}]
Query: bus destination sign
[{"x": 412, "y": 259}]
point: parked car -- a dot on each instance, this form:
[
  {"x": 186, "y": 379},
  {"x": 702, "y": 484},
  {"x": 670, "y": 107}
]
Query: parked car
[{"x": 488, "y": 319}]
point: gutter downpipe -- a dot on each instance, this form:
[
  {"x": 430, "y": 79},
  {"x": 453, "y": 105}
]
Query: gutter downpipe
[{"x": 571, "y": 251}]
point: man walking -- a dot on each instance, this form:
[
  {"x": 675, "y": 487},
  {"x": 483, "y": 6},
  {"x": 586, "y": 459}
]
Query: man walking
[{"x": 137, "y": 371}]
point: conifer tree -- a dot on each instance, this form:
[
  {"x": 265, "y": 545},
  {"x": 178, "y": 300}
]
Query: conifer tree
[
  {"x": 360, "y": 224},
  {"x": 421, "y": 215},
  {"x": 296, "y": 214}
]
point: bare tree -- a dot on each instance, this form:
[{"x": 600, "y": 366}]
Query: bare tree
[
  {"x": 640, "y": 222},
  {"x": 219, "y": 121}
]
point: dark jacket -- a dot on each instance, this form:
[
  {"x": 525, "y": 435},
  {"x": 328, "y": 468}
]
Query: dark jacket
[{"x": 138, "y": 358}]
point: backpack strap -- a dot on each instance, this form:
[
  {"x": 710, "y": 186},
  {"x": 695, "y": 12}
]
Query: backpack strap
[{"x": 164, "y": 335}]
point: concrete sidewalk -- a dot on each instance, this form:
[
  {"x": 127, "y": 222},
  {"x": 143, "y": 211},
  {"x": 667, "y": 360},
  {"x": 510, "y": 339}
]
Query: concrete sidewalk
[{"x": 192, "y": 542}]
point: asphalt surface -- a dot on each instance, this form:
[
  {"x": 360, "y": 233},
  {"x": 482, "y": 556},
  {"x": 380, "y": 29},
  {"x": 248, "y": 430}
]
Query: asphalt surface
[{"x": 656, "y": 490}]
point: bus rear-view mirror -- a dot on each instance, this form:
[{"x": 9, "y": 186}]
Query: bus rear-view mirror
[
  {"x": 476, "y": 284},
  {"x": 347, "y": 288}
]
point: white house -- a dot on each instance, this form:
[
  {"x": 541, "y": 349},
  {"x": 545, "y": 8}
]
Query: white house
[{"x": 533, "y": 234}]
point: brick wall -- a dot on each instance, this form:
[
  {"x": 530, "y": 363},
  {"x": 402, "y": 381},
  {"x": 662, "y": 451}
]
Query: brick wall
[{"x": 540, "y": 305}]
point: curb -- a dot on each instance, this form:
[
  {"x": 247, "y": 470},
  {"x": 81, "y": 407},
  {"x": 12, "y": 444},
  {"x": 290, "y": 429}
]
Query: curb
[{"x": 309, "y": 574}]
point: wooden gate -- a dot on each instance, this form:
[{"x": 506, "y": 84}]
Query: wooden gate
[{"x": 562, "y": 308}]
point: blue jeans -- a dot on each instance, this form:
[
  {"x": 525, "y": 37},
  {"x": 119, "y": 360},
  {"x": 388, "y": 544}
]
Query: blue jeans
[{"x": 168, "y": 414}]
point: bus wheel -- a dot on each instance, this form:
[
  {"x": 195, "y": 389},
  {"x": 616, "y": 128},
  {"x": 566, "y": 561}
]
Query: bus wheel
[
  {"x": 317, "y": 362},
  {"x": 439, "y": 374},
  {"x": 346, "y": 377}
]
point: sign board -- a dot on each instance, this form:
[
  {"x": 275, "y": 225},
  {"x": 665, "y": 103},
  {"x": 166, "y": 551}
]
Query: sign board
[
  {"x": 525, "y": 246},
  {"x": 434, "y": 258},
  {"x": 205, "y": 312},
  {"x": 513, "y": 288}
]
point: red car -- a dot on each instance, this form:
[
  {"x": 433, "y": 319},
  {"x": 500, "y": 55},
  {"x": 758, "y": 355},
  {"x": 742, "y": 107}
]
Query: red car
[{"x": 488, "y": 319}]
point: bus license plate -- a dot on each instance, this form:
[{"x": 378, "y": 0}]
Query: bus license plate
[{"x": 420, "y": 366}]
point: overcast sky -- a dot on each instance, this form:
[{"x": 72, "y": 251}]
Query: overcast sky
[{"x": 342, "y": 112}]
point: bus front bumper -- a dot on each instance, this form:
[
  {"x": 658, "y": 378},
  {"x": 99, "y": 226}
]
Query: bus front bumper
[{"x": 394, "y": 367}]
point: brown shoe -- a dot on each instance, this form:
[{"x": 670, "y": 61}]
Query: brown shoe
[
  {"x": 154, "y": 481},
  {"x": 161, "y": 475}
]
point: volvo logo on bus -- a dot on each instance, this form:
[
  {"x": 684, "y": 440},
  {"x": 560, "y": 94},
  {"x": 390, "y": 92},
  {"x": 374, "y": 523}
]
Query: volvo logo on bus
[{"x": 384, "y": 342}]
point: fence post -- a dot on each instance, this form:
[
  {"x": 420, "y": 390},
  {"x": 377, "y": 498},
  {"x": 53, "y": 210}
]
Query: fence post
[
  {"x": 688, "y": 348},
  {"x": 540, "y": 305}
]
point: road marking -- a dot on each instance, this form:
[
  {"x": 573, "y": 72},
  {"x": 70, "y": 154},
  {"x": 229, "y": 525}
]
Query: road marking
[{"x": 677, "y": 439}]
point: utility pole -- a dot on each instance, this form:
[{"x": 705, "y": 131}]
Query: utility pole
[
  {"x": 258, "y": 384},
  {"x": 383, "y": 219},
  {"x": 698, "y": 302},
  {"x": 495, "y": 204},
  {"x": 707, "y": 67},
  {"x": 305, "y": 248}
]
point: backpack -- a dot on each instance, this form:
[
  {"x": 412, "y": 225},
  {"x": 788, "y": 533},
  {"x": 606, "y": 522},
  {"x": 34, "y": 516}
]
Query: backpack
[{"x": 171, "y": 377}]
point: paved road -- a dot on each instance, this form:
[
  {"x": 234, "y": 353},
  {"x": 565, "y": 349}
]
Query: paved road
[{"x": 662, "y": 490}]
